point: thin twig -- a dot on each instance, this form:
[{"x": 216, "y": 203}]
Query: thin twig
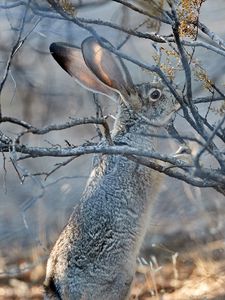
[{"x": 166, "y": 18}]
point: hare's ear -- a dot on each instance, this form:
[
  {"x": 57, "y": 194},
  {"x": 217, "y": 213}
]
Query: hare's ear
[
  {"x": 71, "y": 60},
  {"x": 106, "y": 67}
]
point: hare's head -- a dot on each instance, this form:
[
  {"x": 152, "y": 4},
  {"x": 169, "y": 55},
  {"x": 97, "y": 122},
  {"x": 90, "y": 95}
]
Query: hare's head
[{"x": 99, "y": 70}]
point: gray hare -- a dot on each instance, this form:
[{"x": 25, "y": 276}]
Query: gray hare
[{"x": 94, "y": 257}]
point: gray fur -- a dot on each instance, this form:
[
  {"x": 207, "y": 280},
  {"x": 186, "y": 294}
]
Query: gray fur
[{"x": 94, "y": 258}]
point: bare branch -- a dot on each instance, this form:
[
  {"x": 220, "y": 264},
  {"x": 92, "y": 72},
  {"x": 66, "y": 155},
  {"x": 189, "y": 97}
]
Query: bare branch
[
  {"x": 214, "y": 37},
  {"x": 166, "y": 18},
  {"x": 74, "y": 122}
]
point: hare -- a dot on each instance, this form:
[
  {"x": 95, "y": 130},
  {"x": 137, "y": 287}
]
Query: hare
[{"x": 94, "y": 257}]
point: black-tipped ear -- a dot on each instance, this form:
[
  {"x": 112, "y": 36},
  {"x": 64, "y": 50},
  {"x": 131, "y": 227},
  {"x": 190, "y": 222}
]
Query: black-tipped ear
[
  {"x": 71, "y": 60},
  {"x": 59, "y": 52},
  {"x": 104, "y": 65}
]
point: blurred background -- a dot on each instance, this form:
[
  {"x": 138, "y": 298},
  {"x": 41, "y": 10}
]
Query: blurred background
[{"x": 183, "y": 254}]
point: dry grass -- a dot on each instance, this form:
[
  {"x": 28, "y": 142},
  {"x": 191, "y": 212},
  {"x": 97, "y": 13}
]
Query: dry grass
[{"x": 195, "y": 275}]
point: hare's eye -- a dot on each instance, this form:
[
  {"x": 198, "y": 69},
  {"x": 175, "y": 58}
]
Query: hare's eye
[{"x": 155, "y": 94}]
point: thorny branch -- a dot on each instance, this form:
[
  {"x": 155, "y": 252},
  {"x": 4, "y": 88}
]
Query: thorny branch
[
  {"x": 18, "y": 43},
  {"x": 54, "y": 127}
]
